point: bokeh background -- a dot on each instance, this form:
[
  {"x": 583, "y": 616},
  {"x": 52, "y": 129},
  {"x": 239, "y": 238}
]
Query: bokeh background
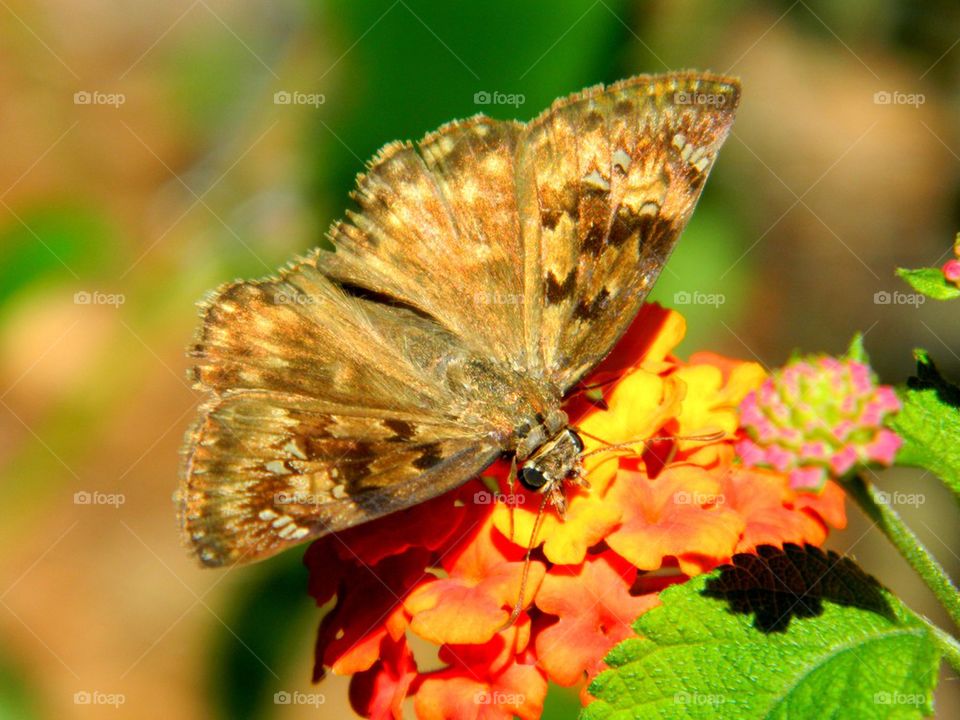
[{"x": 146, "y": 157}]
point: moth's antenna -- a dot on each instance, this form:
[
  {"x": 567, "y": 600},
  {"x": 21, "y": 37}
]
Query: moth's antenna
[
  {"x": 710, "y": 437},
  {"x": 591, "y": 436},
  {"x": 518, "y": 607}
]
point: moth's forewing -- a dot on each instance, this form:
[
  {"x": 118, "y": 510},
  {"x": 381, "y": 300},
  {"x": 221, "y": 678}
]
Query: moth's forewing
[
  {"x": 607, "y": 181},
  {"x": 437, "y": 229}
]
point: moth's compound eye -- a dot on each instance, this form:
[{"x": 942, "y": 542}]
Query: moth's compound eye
[
  {"x": 532, "y": 479},
  {"x": 577, "y": 441}
]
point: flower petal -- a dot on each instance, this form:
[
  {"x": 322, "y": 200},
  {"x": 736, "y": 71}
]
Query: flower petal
[
  {"x": 680, "y": 514},
  {"x": 425, "y": 525},
  {"x": 588, "y": 519},
  {"x": 474, "y": 602},
  {"x": 595, "y": 611},
  {"x": 369, "y": 609},
  {"x": 460, "y": 694},
  {"x": 378, "y": 693}
]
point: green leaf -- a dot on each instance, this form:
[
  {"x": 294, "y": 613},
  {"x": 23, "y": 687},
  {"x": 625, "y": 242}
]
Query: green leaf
[
  {"x": 857, "y": 352},
  {"x": 931, "y": 282},
  {"x": 929, "y": 423},
  {"x": 791, "y": 633}
]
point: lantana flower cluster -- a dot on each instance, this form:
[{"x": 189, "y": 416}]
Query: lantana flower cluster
[
  {"x": 419, "y": 599},
  {"x": 818, "y": 418},
  {"x": 951, "y": 268}
]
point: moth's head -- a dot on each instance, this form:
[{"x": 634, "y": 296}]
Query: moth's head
[{"x": 556, "y": 460}]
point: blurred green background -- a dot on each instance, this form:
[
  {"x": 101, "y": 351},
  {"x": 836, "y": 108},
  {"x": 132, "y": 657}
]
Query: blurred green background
[{"x": 147, "y": 158}]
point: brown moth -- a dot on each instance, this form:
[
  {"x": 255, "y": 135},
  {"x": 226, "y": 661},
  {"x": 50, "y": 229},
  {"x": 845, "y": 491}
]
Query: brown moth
[{"x": 485, "y": 271}]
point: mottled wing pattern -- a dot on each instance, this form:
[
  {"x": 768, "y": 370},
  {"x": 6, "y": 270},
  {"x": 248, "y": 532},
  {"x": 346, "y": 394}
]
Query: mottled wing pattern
[
  {"x": 485, "y": 270},
  {"x": 327, "y": 409},
  {"x": 607, "y": 179},
  {"x": 438, "y": 229},
  {"x": 269, "y": 471}
]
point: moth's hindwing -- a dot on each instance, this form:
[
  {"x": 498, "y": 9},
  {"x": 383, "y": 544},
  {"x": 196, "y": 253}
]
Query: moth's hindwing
[
  {"x": 268, "y": 471},
  {"x": 326, "y": 410}
]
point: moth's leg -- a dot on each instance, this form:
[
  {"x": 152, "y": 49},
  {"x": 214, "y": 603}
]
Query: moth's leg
[
  {"x": 518, "y": 606},
  {"x": 511, "y": 490},
  {"x": 557, "y": 499},
  {"x": 579, "y": 479}
]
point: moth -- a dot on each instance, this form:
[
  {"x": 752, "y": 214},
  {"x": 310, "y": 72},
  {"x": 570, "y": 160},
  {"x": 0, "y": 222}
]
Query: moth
[{"x": 483, "y": 272}]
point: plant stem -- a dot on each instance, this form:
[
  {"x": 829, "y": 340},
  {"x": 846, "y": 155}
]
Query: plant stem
[
  {"x": 908, "y": 544},
  {"x": 948, "y": 645}
]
